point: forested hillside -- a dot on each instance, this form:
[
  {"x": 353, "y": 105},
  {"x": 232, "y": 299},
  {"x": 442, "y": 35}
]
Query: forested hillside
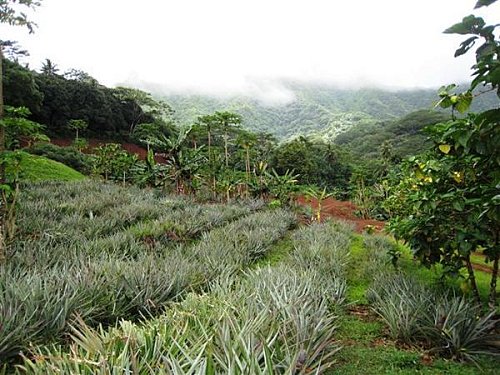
[
  {"x": 319, "y": 110},
  {"x": 401, "y": 137}
]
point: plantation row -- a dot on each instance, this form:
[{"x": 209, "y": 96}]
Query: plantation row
[
  {"x": 274, "y": 319},
  {"x": 106, "y": 279},
  {"x": 88, "y": 256}
]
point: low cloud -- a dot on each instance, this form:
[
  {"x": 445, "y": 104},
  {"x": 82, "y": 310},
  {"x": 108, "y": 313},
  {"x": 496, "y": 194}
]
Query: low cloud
[{"x": 270, "y": 92}]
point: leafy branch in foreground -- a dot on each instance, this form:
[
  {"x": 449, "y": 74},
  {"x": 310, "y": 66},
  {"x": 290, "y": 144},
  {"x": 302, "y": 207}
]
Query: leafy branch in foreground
[{"x": 447, "y": 204}]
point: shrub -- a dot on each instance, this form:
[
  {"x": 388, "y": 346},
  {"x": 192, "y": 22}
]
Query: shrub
[{"x": 66, "y": 155}]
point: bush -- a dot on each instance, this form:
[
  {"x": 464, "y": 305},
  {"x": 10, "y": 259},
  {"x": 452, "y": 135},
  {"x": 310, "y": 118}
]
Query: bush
[{"x": 66, "y": 155}]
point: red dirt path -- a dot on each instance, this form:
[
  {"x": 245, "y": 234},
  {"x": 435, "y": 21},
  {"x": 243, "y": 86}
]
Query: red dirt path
[{"x": 343, "y": 210}]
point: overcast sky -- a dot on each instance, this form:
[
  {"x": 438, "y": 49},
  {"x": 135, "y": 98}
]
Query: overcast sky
[{"x": 247, "y": 46}]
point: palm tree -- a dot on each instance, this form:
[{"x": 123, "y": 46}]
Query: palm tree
[{"x": 49, "y": 68}]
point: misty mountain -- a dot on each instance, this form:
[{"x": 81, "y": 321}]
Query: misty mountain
[
  {"x": 322, "y": 111},
  {"x": 403, "y": 136}
]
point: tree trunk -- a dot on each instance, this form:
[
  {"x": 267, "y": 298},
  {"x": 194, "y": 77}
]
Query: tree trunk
[
  {"x": 247, "y": 164},
  {"x": 247, "y": 167},
  {"x": 494, "y": 274},
  {"x": 493, "y": 284},
  {"x": 472, "y": 279},
  {"x": 2, "y": 129},
  {"x": 226, "y": 154},
  {"x": 2, "y": 168},
  {"x": 209, "y": 147}
]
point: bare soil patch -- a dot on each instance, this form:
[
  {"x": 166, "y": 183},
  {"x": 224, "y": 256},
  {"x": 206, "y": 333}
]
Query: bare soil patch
[{"x": 343, "y": 210}]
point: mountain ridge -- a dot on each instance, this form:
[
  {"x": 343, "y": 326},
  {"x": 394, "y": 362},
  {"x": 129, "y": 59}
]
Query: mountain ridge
[{"x": 319, "y": 110}]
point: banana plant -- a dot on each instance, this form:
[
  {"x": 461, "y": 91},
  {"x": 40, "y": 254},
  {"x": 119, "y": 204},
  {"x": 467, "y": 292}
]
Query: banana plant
[
  {"x": 320, "y": 196},
  {"x": 182, "y": 163},
  {"x": 283, "y": 186}
]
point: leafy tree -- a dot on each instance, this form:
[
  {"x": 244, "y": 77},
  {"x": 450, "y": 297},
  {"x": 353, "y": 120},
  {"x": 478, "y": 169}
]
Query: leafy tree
[
  {"x": 11, "y": 15},
  {"x": 20, "y": 87},
  {"x": 66, "y": 99},
  {"x": 154, "y": 130},
  {"x": 320, "y": 196},
  {"x": 448, "y": 201},
  {"x": 12, "y": 50},
  {"x": 209, "y": 122},
  {"x": 182, "y": 162},
  {"x": 149, "y": 172},
  {"x": 227, "y": 121},
  {"x": 81, "y": 76},
  {"x": 247, "y": 140},
  {"x": 112, "y": 162},
  {"x": 142, "y": 106},
  {"x": 317, "y": 163},
  {"x": 77, "y": 125},
  {"x": 19, "y": 128}
]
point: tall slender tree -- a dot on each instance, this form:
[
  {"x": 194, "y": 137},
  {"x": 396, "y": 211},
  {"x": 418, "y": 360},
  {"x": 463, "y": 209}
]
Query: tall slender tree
[
  {"x": 11, "y": 13},
  {"x": 227, "y": 120}
]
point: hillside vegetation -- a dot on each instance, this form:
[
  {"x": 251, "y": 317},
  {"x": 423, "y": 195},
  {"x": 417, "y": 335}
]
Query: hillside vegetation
[
  {"x": 318, "y": 110},
  {"x": 403, "y": 135}
]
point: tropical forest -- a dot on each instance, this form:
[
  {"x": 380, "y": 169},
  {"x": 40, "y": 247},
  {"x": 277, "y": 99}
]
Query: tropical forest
[{"x": 335, "y": 229}]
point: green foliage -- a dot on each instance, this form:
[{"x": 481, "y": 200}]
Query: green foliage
[
  {"x": 404, "y": 134},
  {"x": 315, "y": 162},
  {"x": 18, "y": 128},
  {"x": 19, "y": 87},
  {"x": 182, "y": 164},
  {"x": 319, "y": 196},
  {"x": 143, "y": 132},
  {"x": 77, "y": 125},
  {"x": 12, "y": 15},
  {"x": 447, "y": 201},
  {"x": 65, "y": 155},
  {"x": 79, "y": 96},
  {"x": 282, "y": 186},
  {"x": 113, "y": 162},
  {"x": 141, "y": 107},
  {"x": 450, "y": 325}
]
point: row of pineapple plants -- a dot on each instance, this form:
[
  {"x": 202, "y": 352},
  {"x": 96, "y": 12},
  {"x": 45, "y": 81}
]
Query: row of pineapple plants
[
  {"x": 58, "y": 272},
  {"x": 279, "y": 319},
  {"x": 428, "y": 314}
]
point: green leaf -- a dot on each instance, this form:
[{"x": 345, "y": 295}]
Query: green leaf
[
  {"x": 465, "y": 46},
  {"x": 444, "y": 102},
  {"x": 444, "y": 91},
  {"x": 464, "y": 101},
  {"x": 469, "y": 25},
  {"x": 483, "y": 3},
  {"x": 458, "y": 205}
]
